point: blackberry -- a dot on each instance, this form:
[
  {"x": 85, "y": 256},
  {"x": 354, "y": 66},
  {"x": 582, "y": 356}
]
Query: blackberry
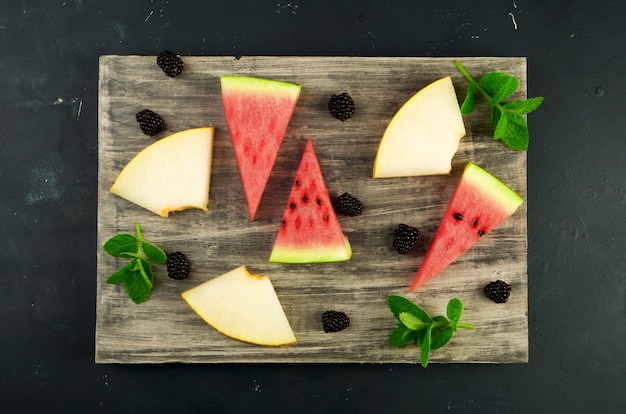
[
  {"x": 171, "y": 63},
  {"x": 150, "y": 122},
  {"x": 497, "y": 291},
  {"x": 349, "y": 205},
  {"x": 341, "y": 106},
  {"x": 405, "y": 238},
  {"x": 334, "y": 321},
  {"x": 177, "y": 265}
]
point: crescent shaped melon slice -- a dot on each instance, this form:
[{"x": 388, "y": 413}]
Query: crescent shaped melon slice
[
  {"x": 171, "y": 174},
  {"x": 424, "y": 135},
  {"x": 243, "y": 306},
  {"x": 479, "y": 204}
]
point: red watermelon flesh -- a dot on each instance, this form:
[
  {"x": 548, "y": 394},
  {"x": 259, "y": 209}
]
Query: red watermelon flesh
[
  {"x": 310, "y": 231},
  {"x": 257, "y": 114},
  {"x": 479, "y": 204}
]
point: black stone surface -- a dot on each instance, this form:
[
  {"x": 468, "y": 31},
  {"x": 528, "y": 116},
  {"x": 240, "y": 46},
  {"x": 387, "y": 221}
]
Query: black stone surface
[{"x": 576, "y": 176}]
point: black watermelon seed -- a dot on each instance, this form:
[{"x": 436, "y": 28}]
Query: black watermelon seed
[
  {"x": 458, "y": 216},
  {"x": 481, "y": 233}
]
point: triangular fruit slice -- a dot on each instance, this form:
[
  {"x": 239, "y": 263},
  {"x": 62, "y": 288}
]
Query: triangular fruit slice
[
  {"x": 242, "y": 306},
  {"x": 172, "y": 174},
  {"x": 257, "y": 113},
  {"x": 479, "y": 204},
  {"x": 423, "y": 135},
  {"x": 310, "y": 231}
]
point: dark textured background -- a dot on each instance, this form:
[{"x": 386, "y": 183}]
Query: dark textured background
[{"x": 48, "y": 155}]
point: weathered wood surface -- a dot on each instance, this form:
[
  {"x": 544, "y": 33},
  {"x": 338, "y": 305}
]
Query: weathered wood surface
[{"x": 165, "y": 329}]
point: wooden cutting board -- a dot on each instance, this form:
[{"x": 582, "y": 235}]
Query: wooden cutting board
[{"x": 165, "y": 329}]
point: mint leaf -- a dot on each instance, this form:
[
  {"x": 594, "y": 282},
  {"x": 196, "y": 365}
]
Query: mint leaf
[
  {"x": 144, "y": 269},
  {"x": 412, "y": 322},
  {"x": 401, "y": 336},
  {"x": 454, "y": 311},
  {"x": 440, "y": 337},
  {"x": 154, "y": 253},
  {"x": 419, "y": 337},
  {"x": 417, "y": 326},
  {"x": 121, "y": 244},
  {"x": 496, "y": 113},
  {"x": 122, "y": 275},
  {"x": 516, "y": 134},
  {"x": 501, "y": 127},
  {"x": 506, "y": 117},
  {"x": 426, "y": 346},
  {"x": 398, "y": 304},
  {"x": 470, "y": 99},
  {"x": 523, "y": 106},
  {"x": 137, "y": 289},
  {"x": 499, "y": 86},
  {"x": 137, "y": 274}
]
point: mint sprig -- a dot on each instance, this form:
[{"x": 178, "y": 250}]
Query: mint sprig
[
  {"x": 506, "y": 117},
  {"x": 137, "y": 274},
  {"x": 417, "y": 326}
]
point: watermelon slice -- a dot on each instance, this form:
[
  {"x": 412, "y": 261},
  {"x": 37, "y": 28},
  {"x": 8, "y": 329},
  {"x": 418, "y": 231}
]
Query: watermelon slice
[
  {"x": 257, "y": 114},
  {"x": 479, "y": 204},
  {"x": 310, "y": 231}
]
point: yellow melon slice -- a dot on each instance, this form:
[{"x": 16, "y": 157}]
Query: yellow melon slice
[
  {"x": 242, "y": 306},
  {"x": 171, "y": 174},
  {"x": 423, "y": 135}
]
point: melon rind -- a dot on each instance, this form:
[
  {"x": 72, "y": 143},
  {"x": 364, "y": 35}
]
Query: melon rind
[{"x": 171, "y": 174}]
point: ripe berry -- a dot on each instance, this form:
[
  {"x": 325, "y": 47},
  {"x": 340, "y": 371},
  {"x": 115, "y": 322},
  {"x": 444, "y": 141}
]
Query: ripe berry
[
  {"x": 349, "y": 205},
  {"x": 334, "y": 321},
  {"x": 497, "y": 291},
  {"x": 149, "y": 122},
  {"x": 177, "y": 265},
  {"x": 341, "y": 106},
  {"x": 405, "y": 238},
  {"x": 170, "y": 63}
]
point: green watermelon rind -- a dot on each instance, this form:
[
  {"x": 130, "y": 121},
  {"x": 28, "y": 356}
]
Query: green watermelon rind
[
  {"x": 319, "y": 254},
  {"x": 247, "y": 83},
  {"x": 492, "y": 187}
]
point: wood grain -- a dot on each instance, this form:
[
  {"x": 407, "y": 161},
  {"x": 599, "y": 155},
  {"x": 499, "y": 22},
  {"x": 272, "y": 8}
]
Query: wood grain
[{"x": 165, "y": 329}]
